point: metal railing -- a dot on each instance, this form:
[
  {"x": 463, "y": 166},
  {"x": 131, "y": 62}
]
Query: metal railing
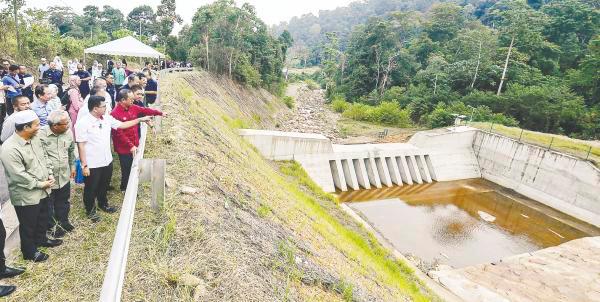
[
  {"x": 115, "y": 271},
  {"x": 112, "y": 285},
  {"x": 577, "y": 149}
]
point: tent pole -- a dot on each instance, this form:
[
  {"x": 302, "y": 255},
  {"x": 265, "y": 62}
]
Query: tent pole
[{"x": 84, "y": 59}]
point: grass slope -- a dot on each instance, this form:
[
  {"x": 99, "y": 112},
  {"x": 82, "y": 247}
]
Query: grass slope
[{"x": 256, "y": 230}]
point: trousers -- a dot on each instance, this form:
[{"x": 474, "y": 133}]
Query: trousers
[
  {"x": 125, "y": 161},
  {"x": 96, "y": 188},
  {"x": 33, "y": 223},
  {"x": 2, "y": 241},
  {"x": 59, "y": 206}
]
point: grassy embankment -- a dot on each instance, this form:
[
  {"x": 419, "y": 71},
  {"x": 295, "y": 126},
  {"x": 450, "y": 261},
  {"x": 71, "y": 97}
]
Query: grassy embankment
[
  {"x": 575, "y": 147},
  {"x": 255, "y": 230}
]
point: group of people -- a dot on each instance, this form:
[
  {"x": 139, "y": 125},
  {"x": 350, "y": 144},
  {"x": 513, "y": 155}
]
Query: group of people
[{"x": 44, "y": 135}]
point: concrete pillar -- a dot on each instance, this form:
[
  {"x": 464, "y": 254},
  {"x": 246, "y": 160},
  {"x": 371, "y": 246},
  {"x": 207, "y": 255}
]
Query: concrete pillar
[
  {"x": 394, "y": 172},
  {"x": 412, "y": 167},
  {"x": 423, "y": 168},
  {"x": 384, "y": 173},
  {"x": 349, "y": 174},
  {"x": 372, "y": 172},
  {"x": 361, "y": 173},
  {"x": 430, "y": 167},
  {"x": 338, "y": 175},
  {"x": 403, "y": 169}
]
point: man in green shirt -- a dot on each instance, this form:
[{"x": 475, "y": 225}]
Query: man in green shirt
[
  {"x": 29, "y": 175},
  {"x": 60, "y": 149},
  {"x": 118, "y": 74}
]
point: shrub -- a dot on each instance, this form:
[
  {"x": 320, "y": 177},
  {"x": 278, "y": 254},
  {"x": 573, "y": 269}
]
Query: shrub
[
  {"x": 359, "y": 112},
  {"x": 389, "y": 113},
  {"x": 339, "y": 104},
  {"x": 289, "y": 101},
  {"x": 312, "y": 85},
  {"x": 440, "y": 117}
]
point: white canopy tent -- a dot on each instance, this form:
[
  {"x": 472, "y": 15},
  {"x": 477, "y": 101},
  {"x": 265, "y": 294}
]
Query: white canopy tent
[{"x": 126, "y": 47}]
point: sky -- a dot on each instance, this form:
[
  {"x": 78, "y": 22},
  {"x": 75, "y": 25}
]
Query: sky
[{"x": 270, "y": 11}]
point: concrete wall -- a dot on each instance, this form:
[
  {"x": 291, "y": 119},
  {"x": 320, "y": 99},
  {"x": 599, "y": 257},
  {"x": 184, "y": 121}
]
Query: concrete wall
[
  {"x": 277, "y": 145},
  {"x": 558, "y": 180},
  {"x": 451, "y": 152}
]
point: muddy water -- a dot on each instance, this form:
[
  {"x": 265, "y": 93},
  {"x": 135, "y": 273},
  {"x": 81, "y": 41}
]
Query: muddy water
[{"x": 461, "y": 223}]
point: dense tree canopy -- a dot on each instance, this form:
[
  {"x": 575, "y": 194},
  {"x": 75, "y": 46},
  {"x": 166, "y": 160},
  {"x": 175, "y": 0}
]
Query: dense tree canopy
[{"x": 535, "y": 64}]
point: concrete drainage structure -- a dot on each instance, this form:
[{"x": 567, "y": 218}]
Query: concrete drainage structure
[
  {"x": 561, "y": 181},
  {"x": 558, "y": 180}
]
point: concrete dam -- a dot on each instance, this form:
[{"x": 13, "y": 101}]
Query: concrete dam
[{"x": 457, "y": 199}]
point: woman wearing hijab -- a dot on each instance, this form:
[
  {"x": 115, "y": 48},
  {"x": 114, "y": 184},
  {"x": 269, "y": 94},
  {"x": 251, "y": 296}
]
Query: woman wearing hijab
[{"x": 75, "y": 100}]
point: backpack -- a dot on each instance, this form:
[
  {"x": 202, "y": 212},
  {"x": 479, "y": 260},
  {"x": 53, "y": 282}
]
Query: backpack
[{"x": 65, "y": 100}]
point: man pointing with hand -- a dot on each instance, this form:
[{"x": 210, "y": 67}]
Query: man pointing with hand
[{"x": 93, "y": 141}]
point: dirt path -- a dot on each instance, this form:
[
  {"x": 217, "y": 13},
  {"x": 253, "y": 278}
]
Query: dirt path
[{"x": 310, "y": 115}]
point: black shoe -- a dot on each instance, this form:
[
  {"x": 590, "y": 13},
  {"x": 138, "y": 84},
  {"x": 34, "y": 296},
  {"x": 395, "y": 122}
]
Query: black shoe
[
  {"x": 10, "y": 272},
  {"x": 37, "y": 257},
  {"x": 68, "y": 227},
  {"x": 6, "y": 290},
  {"x": 58, "y": 233},
  {"x": 108, "y": 209},
  {"x": 50, "y": 243},
  {"x": 94, "y": 217}
]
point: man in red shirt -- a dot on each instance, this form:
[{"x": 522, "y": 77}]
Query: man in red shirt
[{"x": 127, "y": 140}]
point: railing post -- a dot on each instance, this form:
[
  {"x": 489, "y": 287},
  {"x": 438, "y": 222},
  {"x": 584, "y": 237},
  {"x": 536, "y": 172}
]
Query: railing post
[
  {"x": 587, "y": 157},
  {"x": 492, "y": 127},
  {"x": 551, "y": 141}
]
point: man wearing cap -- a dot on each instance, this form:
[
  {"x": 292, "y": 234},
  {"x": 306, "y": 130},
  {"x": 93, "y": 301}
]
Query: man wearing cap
[
  {"x": 43, "y": 67},
  {"x": 93, "y": 141},
  {"x": 20, "y": 103},
  {"x": 29, "y": 175}
]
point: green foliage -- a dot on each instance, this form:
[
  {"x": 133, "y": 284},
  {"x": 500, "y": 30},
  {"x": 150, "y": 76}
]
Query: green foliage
[
  {"x": 428, "y": 63},
  {"x": 312, "y": 85},
  {"x": 288, "y": 101},
  {"x": 231, "y": 40},
  {"x": 441, "y": 116},
  {"x": 389, "y": 113},
  {"x": 386, "y": 113},
  {"x": 358, "y": 111},
  {"x": 338, "y": 104}
]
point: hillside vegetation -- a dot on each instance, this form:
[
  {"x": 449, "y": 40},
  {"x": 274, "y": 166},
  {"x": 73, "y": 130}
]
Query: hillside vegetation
[
  {"x": 254, "y": 230},
  {"x": 528, "y": 63}
]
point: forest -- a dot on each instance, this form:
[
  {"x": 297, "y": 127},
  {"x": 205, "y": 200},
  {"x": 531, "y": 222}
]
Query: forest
[
  {"x": 223, "y": 37},
  {"x": 535, "y": 64}
]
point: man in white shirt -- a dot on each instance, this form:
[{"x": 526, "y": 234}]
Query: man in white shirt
[{"x": 93, "y": 141}]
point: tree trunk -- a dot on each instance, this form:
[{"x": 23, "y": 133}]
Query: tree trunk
[
  {"x": 237, "y": 23},
  {"x": 206, "y": 43},
  {"x": 17, "y": 28},
  {"x": 512, "y": 41},
  {"x": 377, "y": 61},
  {"x": 386, "y": 74},
  {"x": 477, "y": 67},
  {"x": 435, "y": 84},
  {"x": 343, "y": 58}
]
